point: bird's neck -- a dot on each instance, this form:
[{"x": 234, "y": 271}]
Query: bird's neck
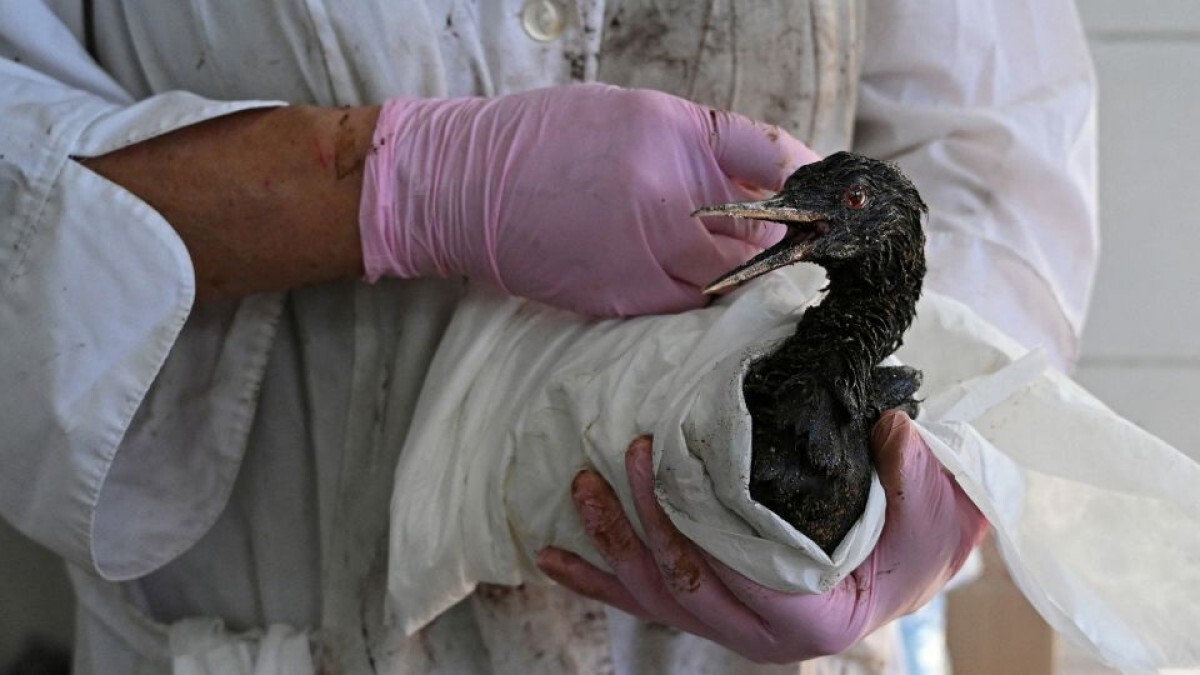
[{"x": 870, "y": 303}]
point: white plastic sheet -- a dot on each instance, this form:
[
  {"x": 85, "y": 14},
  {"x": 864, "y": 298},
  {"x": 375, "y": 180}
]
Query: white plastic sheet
[
  {"x": 1093, "y": 515},
  {"x": 1097, "y": 520}
]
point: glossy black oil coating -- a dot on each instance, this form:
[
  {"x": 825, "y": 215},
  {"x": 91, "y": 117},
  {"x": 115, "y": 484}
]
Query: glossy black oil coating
[{"x": 814, "y": 400}]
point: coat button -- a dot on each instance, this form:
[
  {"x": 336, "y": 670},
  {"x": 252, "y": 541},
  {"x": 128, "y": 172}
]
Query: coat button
[{"x": 543, "y": 20}]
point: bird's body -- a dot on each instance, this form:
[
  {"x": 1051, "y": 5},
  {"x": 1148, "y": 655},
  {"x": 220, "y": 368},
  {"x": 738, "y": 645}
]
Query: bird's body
[{"x": 815, "y": 397}]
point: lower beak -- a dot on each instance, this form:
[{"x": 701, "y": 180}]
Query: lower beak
[{"x": 788, "y": 251}]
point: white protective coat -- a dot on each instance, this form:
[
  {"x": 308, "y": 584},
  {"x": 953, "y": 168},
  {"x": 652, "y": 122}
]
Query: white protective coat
[{"x": 224, "y": 460}]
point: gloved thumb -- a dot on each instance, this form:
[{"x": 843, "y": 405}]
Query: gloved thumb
[
  {"x": 931, "y": 525},
  {"x": 755, "y": 154}
]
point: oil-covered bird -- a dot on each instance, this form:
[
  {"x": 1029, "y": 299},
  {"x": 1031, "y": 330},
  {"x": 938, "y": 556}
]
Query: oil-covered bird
[{"x": 815, "y": 397}]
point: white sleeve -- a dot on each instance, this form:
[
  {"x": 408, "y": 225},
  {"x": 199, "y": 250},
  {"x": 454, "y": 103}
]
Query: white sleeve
[
  {"x": 990, "y": 108},
  {"x": 94, "y": 289}
]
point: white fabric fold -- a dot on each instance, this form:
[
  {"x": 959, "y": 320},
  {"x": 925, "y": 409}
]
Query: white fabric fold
[
  {"x": 520, "y": 398},
  {"x": 205, "y": 647},
  {"x": 96, "y": 287}
]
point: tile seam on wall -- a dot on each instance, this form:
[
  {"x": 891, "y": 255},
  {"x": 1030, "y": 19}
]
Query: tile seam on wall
[
  {"x": 1143, "y": 35},
  {"x": 1139, "y": 362}
]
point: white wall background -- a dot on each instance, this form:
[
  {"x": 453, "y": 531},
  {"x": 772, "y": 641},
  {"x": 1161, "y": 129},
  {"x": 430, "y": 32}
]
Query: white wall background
[{"x": 1141, "y": 351}]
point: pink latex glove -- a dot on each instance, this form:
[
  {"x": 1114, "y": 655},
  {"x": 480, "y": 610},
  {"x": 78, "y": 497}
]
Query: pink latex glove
[
  {"x": 929, "y": 529},
  {"x": 576, "y": 196}
]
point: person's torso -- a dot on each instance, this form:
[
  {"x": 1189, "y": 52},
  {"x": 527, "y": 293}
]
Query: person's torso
[{"x": 303, "y": 539}]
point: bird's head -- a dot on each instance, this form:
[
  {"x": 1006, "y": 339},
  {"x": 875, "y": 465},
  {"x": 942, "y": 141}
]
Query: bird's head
[{"x": 835, "y": 210}]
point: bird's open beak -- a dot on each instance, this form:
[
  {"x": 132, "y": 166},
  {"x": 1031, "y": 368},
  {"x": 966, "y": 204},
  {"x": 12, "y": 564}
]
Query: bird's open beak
[{"x": 804, "y": 227}]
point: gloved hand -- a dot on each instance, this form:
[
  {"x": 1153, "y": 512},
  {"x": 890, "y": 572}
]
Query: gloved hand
[
  {"x": 929, "y": 529},
  {"x": 576, "y": 196}
]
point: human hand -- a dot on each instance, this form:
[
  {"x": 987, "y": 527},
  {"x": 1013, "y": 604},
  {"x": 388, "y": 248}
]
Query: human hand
[
  {"x": 576, "y": 196},
  {"x": 929, "y": 529}
]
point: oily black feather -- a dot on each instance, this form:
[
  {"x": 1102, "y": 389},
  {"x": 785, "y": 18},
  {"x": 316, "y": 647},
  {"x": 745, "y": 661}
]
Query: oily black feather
[{"x": 814, "y": 399}]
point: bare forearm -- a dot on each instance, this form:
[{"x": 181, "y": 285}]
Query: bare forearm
[{"x": 264, "y": 200}]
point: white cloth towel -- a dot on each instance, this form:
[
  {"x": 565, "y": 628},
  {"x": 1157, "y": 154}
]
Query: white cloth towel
[{"x": 521, "y": 397}]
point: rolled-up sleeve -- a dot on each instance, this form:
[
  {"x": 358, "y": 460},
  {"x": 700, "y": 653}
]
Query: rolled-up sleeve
[
  {"x": 990, "y": 108},
  {"x": 95, "y": 288}
]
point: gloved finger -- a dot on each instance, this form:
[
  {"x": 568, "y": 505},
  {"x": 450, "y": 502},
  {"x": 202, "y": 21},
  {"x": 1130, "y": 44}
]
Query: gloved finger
[
  {"x": 764, "y": 602},
  {"x": 722, "y": 255},
  {"x": 674, "y": 295},
  {"x": 915, "y": 481},
  {"x": 809, "y": 625},
  {"x": 755, "y": 153},
  {"x": 703, "y": 257},
  {"x": 577, "y": 574},
  {"x": 684, "y": 570},
  {"x": 630, "y": 560},
  {"x": 758, "y": 233},
  {"x": 665, "y": 295},
  {"x": 734, "y": 252}
]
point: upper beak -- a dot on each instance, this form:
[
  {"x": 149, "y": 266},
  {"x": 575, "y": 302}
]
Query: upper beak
[{"x": 789, "y": 250}]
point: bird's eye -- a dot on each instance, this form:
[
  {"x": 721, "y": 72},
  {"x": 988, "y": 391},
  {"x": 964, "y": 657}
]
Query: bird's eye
[{"x": 856, "y": 196}]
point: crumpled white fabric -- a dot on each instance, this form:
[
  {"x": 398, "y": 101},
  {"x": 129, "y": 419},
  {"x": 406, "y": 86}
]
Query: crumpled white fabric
[
  {"x": 205, "y": 647},
  {"x": 520, "y": 397},
  {"x": 1097, "y": 520}
]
